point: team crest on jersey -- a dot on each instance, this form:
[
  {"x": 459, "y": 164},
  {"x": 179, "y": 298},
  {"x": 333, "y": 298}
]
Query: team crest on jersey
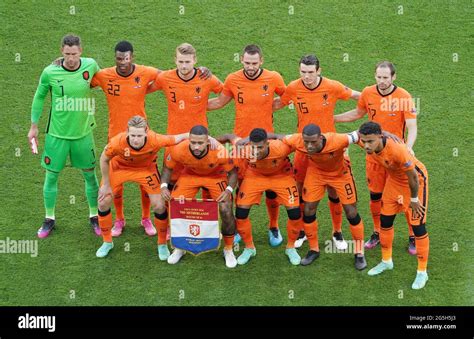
[
  {"x": 265, "y": 87},
  {"x": 198, "y": 89},
  {"x": 85, "y": 75},
  {"x": 241, "y": 195},
  {"x": 137, "y": 81},
  {"x": 325, "y": 98}
]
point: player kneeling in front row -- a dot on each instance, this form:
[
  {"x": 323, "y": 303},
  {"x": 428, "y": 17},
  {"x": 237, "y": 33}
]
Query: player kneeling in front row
[
  {"x": 267, "y": 168},
  {"x": 406, "y": 190},
  {"x": 130, "y": 156},
  {"x": 207, "y": 168},
  {"x": 327, "y": 167}
]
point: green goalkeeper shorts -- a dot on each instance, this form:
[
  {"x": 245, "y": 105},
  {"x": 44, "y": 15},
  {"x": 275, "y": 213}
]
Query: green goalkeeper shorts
[{"x": 57, "y": 150}]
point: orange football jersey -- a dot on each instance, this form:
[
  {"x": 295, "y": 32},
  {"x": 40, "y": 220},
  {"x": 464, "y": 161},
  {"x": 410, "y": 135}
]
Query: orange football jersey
[
  {"x": 215, "y": 162},
  {"x": 396, "y": 158},
  {"x": 125, "y": 95},
  {"x": 253, "y": 99},
  {"x": 389, "y": 111},
  {"x": 125, "y": 155},
  {"x": 316, "y": 106},
  {"x": 330, "y": 160},
  {"x": 187, "y": 99},
  {"x": 275, "y": 162}
]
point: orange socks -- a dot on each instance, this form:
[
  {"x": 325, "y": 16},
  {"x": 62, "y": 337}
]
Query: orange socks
[
  {"x": 244, "y": 227},
  {"x": 335, "y": 207},
  {"x": 293, "y": 228},
  {"x": 273, "y": 210},
  {"x": 145, "y": 204},
  {"x": 105, "y": 224},
  {"x": 386, "y": 241},
  {"x": 357, "y": 232},
  {"x": 422, "y": 251},
  {"x": 311, "y": 231},
  {"x": 410, "y": 227},
  {"x": 375, "y": 207},
  {"x": 118, "y": 204},
  {"x": 161, "y": 224},
  {"x": 228, "y": 242}
]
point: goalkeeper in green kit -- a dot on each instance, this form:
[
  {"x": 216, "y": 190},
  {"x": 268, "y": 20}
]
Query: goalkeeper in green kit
[{"x": 69, "y": 128}]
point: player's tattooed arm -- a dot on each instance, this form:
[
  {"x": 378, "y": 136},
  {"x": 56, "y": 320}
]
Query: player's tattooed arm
[
  {"x": 219, "y": 102},
  {"x": 180, "y": 137},
  {"x": 232, "y": 179},
  {"x": 105, "y": 189},
  {"x": 350, "y": 116},
  {"x": 418, "y": 209},
  {"x": 226, "y": 138},
  {"x": 165, "y": 178}
]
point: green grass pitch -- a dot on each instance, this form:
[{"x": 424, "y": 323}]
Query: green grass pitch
[{"x": 431, "y": 43}]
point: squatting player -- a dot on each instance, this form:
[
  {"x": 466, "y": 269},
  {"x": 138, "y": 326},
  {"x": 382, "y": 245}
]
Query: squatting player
[
  {"x": 207, "y": 168},
  {"x": 406, "y": 190},
  {"x": 131, "y": 157}
]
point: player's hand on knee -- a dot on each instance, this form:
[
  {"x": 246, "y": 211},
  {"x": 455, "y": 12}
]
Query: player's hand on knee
[
  {"x": 225, "y": 196},
  {"x": 165, "y": 194},
  {"x": 105, "y": 191},
  {"x": 417, "y": 208}
]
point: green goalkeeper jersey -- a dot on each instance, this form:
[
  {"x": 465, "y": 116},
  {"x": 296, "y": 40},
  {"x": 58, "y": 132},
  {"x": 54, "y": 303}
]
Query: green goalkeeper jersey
[{"x": 72, "y": 108}]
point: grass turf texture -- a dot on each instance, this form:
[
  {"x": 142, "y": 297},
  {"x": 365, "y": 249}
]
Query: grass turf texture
[{"x": 421, "y": 42}]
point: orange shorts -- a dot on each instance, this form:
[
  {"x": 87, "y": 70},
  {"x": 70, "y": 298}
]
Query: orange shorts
[
  {"x": 188, "y": 185},
  {"x": 316, "y": 182},
  {"x": 396, "y": 197},
  {"x": 300, "y": 164},
  {"x": 376, "y": 176},
  {"x": 147, "y": 177},
  {"x": 253, "y": 185},
  {"x": 176, "y": 170}
]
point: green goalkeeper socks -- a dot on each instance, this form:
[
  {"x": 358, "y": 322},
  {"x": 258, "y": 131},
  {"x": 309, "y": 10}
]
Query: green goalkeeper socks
[
  {"x": 92, "y": 191},
  {"x": 50, "y": 192}
]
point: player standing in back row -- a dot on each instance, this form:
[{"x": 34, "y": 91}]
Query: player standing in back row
[
  {"x": 253, "y": 89},
  {"x": 69, "y": 129}
]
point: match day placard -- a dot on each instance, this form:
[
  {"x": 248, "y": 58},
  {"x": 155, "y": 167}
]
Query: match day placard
[{"x": 194, "y": 225}]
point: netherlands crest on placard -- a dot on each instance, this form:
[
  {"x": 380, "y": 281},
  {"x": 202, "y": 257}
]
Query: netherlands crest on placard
[{"x": 194, "y": 225}]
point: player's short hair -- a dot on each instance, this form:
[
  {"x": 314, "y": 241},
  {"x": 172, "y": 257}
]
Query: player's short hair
[
  {"x": 199, "y": 130},
  {"x": 137, "y": 122},
  {"x": 124, "y": 46},
  {"x": 310, "y": 60},
  {"x": 370, "y": 127},
  {"x": 71, "y": 40},
  {"x": 258, "y": 135},
  {"x": 311, "y": 129},
  {"x": 252, "y": 50},
  {"x": 386, "y": 64},
  {"x": 186, "y": 49}
]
